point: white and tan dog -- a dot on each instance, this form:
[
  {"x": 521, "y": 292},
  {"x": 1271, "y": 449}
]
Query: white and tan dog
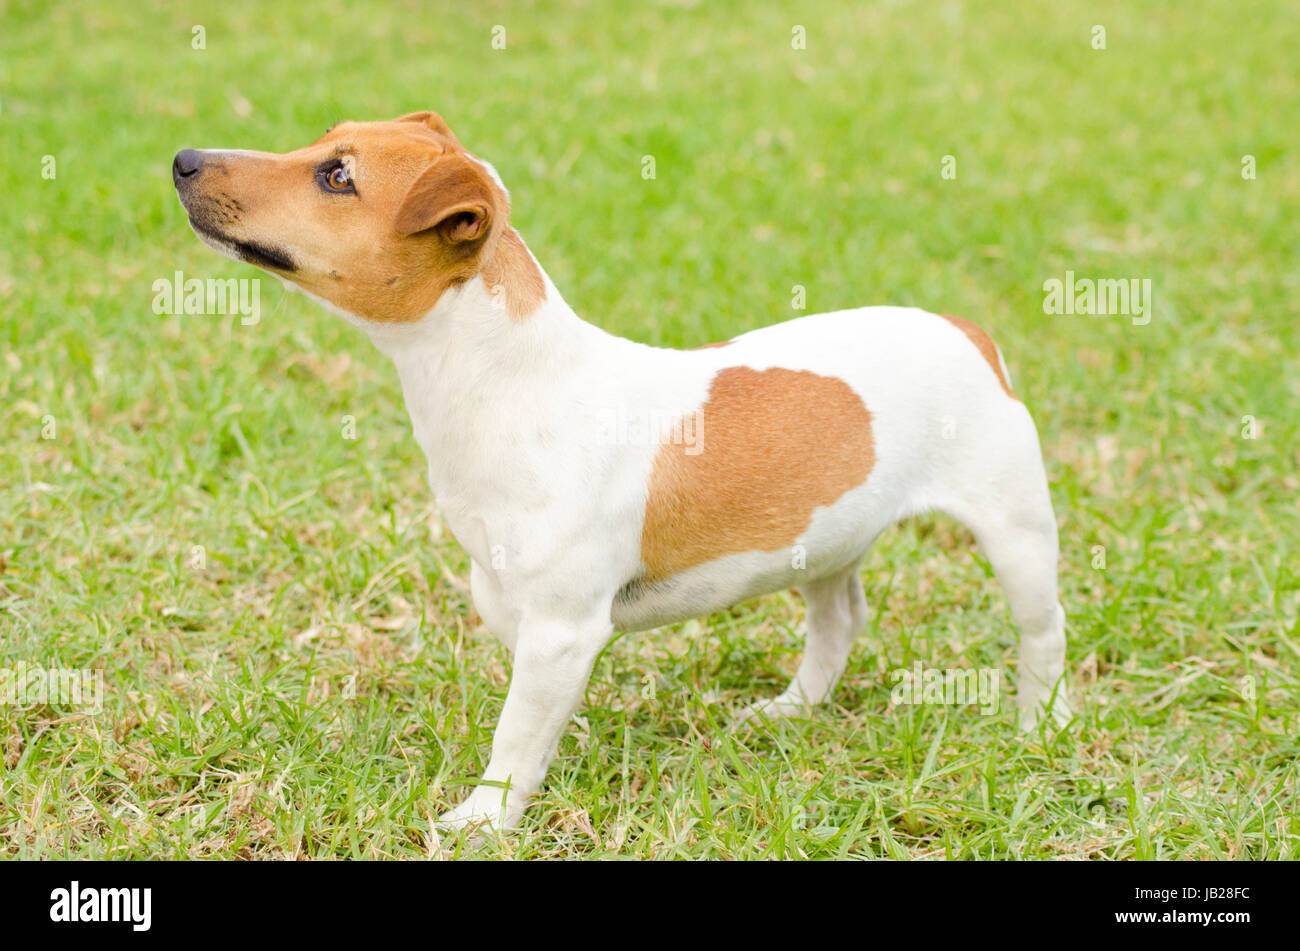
[{"x": 600, "y": 484}]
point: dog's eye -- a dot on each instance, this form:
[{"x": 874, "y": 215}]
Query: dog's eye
[{"x": 335, "y": 178}]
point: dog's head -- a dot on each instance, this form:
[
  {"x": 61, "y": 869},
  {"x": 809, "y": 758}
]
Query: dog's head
[{"x": 378, "y": 218}]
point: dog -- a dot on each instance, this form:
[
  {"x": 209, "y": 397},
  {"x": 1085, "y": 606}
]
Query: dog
[{"x": 600, "y": 484}]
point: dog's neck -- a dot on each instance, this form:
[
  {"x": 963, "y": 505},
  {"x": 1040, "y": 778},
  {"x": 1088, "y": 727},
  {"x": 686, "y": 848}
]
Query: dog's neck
[{"x": 477, "y": 378}]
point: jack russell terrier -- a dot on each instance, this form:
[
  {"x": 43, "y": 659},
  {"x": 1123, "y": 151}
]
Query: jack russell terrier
[{"x": 601, "y": 484}]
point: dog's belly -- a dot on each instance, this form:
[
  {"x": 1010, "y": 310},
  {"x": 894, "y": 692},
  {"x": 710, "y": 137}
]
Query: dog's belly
[
  {"x": 838, "y": 535},
  {"x": 700, "y": 590}
]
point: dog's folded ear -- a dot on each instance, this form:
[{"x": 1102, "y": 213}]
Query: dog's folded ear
[
  {"x": 453, "y": 196},
  {"x": 432, "y": 120}
]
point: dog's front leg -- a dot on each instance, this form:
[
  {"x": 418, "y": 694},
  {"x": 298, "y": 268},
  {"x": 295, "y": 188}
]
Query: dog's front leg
[{"x": 552, "y": 664}]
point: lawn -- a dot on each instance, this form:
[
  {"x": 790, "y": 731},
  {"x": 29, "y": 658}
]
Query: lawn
[{"x": 291, "y": 665}]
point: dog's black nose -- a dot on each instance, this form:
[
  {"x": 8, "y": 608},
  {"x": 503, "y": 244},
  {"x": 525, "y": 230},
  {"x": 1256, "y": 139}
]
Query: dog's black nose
[{"x": 186, "y": 163}]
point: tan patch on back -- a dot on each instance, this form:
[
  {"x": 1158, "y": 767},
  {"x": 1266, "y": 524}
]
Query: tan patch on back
[
  {"x": 984, "y": 343},
  {"x": 711, "y": 346},
  {"x": 774, "y": 446},
  {"x": 513, "y": 270}
]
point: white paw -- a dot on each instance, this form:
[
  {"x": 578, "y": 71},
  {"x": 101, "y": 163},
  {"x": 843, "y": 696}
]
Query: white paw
[
  {"x": 488, "y": 809},
  {"x": 1033, "y": 708},
  {"x": 775, "y": 708}
]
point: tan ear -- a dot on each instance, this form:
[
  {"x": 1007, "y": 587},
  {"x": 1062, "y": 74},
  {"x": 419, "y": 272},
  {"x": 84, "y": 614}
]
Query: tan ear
[
  {"x": 452, "y": 196},
  {"x": 432, "y": 120}
]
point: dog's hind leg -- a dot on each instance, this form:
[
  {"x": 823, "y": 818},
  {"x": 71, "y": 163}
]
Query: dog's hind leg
[
  {"x": 837, "y": 613},
  {"x": 1003, "y": 499}
]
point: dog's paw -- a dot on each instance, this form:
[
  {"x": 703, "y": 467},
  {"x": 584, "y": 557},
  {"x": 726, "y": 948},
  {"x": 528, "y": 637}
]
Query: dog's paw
[
  {"x": 487, "y": 811},
  {"x": 1034, "y": 710},
  {"x": 774, "y": 708}
]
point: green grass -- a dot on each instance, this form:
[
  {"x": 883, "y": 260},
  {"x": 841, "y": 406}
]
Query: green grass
[{"x": 310, "y": 686}]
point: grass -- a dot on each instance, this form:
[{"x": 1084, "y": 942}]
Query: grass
[{"x": 284, "y": 633}]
